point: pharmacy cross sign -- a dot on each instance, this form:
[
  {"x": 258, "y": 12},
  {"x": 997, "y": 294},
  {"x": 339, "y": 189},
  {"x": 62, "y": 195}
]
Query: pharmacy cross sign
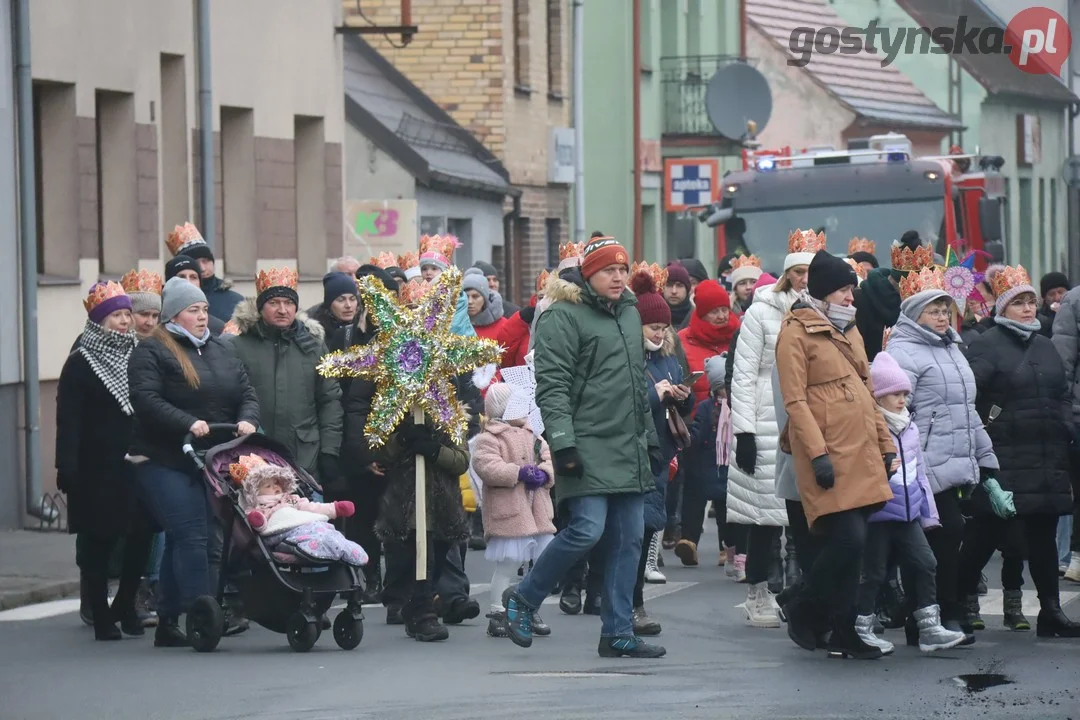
[{"x": 690, "y": 182}]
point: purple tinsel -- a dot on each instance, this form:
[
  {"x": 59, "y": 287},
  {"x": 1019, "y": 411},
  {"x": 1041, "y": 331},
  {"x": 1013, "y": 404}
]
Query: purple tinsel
[
  {"x": 411, "y": 356},
  {"x": 444, "y": 406},
  {"x": 366, "y": 361}
]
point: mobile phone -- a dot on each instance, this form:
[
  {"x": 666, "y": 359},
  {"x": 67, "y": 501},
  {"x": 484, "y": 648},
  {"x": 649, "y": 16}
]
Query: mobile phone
[{"x": 695, "y": 376}]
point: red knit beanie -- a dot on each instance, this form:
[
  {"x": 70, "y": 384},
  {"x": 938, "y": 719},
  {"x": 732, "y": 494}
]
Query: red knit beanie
[
  {"x": 651, "y": 305},
  {"x": 708, "y": 296},
  {"x": 601, "y": 252}
]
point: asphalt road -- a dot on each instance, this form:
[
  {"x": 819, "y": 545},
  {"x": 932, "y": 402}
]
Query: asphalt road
[{"x": 717, "y": 667}]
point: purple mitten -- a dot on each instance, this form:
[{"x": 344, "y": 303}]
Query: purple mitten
[{"x": 532, "y": 476}]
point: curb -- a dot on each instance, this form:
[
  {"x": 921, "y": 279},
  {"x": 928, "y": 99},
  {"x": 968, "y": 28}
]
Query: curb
[{"x": 43, "y": 593}]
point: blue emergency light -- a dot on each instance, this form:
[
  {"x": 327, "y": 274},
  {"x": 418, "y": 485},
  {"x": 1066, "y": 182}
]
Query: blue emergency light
[{"x": 766, "y": 163}]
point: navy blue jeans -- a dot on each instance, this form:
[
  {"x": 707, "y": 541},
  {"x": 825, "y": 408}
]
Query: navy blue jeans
[
  {"x": 620, "y": 521},
  {"x": 180, "y": 505}
]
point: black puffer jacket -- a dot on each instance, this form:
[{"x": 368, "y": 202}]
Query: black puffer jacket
[
  {"x": 166, "y": 407},
  {"x": 1026, "y": 379}
]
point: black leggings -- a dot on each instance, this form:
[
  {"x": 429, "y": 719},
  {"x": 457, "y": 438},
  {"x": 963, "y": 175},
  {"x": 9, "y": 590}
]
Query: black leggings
[
  {"x": 807, "y": 546},
  {"x": 96, "y": 552},
  {"x": 834, "y": 576},
  {"x": 1035, "y": 533},
  {"x": 762, "y": 552},
  {"x": 366, "y": 494},
  {"x": 945, "y": 542}
]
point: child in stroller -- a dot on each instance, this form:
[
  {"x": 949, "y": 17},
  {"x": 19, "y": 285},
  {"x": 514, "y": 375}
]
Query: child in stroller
[{"x": 288, "y": 522}]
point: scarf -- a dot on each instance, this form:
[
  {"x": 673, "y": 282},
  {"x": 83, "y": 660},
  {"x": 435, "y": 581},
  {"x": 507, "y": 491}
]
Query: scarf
[
  {"x": 107, "y": 353},
  {"x": 897, "y": 422},
  {"x": 717, "y": 337},
  {"x": 1024, "y": 330},
  {"x": 679, "y": 312},
  {"x": 653, "y": 347},
  {"x": 842, "y": 317},
  {"x": 181, "y": 332}
]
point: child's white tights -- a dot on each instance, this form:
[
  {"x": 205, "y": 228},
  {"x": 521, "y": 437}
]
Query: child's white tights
[{"x": 505, "y": 576}]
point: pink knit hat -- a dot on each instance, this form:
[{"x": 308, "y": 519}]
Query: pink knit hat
[
  {"x": 887, "y": 376},
  {"x": 765, "y": 279}
]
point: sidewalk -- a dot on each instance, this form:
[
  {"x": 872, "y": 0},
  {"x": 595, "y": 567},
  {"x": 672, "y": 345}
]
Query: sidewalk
[{"x": 36, "y": 567}]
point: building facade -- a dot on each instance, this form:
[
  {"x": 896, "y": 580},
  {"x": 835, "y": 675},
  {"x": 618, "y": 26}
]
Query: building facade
[{"x": 116, "y": 139}]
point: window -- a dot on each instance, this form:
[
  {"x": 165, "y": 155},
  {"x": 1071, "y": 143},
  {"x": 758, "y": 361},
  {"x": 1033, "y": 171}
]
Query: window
[
  {"x": 521, "y": 45},
  {"x": 552, "y": 235},
  {"x": 461, "y": 228},
  {"x": 237, "y": 233},
  {"x": 57, "y": 171},
  {"x": 432, "y": 225},
  {"x": 174, "y": 145},
  {"x": 310, "y": 148},
  {"x": 1043, "y": 253},
  {"x": 1026, "y": 239},
  {"x": 1054, "y": 258},
  {"x": 555, "y": 48},
  {"x": 117, "y": 183}
]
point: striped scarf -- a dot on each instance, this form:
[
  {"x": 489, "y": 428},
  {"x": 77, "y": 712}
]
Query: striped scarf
[{"x": 107, "y": 352}]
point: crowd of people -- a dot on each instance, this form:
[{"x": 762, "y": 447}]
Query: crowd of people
[{"x": 866, "y": 439}]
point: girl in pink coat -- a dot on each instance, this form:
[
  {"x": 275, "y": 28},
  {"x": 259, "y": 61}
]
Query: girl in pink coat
[{"x": 515, "y": 468}]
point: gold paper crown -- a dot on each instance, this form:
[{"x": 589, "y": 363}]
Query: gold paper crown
[
  {"x": 928, "y": 278},
  {"x": 182, "y": 236},
  {"x": 275, "y": 277},
  {"x": 746, "y": 261},
  {"x": 805, "y": 241},
  {"x": 541, "y": 279},
  {"x": 860, "y": 271},
  {"x": 231, "y": 328},
  {"x": 444, "y": 245},
  {"x": 413, "y": 292},
  {"x": 243, "y": 465},
  {"x": 384, "y": 260},
  {"x": 858, "y": 244},
  {"x": 408, "y": 260},
  {"x": 659, "y": 274},
  {"x": 571, "y": 250},
  {"x": 101, "y": 292},
  {"x": 1008, "y": 278},
  {"x": 903, "y": 258},
  {"x": 145, "y": 281}
]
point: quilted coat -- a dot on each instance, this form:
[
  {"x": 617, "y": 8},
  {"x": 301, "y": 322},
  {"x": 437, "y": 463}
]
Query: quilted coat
[
  {"x": 954, "y": 443},
  {"x": 510, "y": 510},
  {"x": 912, "y": 495},
  {"x": 752, "y": 499},
  {"x": 825, "y": 381}
]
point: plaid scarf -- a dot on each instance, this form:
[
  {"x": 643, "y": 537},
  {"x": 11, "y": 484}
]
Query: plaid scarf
[{"x": 108, "y": 351}]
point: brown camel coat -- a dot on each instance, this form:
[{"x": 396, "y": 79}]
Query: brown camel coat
[{"x": 825, "y": 381}]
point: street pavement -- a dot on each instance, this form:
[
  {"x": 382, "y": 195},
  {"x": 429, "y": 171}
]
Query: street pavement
[{"x": 717, "y": 667}]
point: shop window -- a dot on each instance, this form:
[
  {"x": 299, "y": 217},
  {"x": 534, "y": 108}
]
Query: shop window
[
  {"x": 57, "y": 182},
  {"x": 238, "y": 206},
  {"x": 117, "y": 186},
  {"x": 310, "y": 141}
]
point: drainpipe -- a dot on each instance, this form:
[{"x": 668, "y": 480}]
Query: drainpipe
[
  {"x": 509, "y": 227},
  {"x": 639, "y": 243},
  {"x": 206, "y": 123},
  {"x": 24, "y": 99},
  {"x": 742, "y": 29},
  {"x": 579, "y": 120}
]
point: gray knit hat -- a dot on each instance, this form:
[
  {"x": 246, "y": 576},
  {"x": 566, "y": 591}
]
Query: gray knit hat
[
  {"x": 143, "y": 301},
  {"x": 178, "y": 295}
]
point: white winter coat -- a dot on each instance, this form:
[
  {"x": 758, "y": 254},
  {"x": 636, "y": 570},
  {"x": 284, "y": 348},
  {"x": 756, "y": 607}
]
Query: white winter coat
[{"x": 751, "y": 499}]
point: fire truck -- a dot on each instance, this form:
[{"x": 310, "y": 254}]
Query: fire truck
[{"x": 874, "y": 189}]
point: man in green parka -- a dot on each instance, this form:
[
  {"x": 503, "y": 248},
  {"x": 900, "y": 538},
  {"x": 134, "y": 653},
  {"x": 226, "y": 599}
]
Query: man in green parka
[
  {"x": 298, "y": 407},
  {"x": 590, "y": 386}
]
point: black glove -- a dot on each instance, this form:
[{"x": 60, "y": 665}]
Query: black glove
[
  {"x": 985, "y": 474},
  {"x": 329, "y": 470},
  {"x": 656, "y": 460},
  {"x": 746, "y": 452},
  {"x": 568, "y": 463},
  {"x": 888, "y": 457},
  {"x": 421, "y": 440},
  {"x": 823, "y": 472}
]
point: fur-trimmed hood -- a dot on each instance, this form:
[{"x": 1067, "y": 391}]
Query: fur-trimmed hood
[
  {"x": 247, "y": 316},
  {"x": 249, "y": 489}
]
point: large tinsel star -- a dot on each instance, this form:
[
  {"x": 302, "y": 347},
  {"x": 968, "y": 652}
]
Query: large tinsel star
[{"x": 412, "y": 358}]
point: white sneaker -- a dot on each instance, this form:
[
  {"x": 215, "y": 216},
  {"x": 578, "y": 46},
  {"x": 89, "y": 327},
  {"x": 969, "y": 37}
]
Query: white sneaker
[
  {"x": 1073, "y": 573},
  {"x": 760, "y": 608},
  {"x": 652, "y": 572}
]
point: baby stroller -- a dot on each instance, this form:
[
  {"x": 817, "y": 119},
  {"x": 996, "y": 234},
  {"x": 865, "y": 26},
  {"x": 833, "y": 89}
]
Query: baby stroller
[{"x": 282, "y": 592}]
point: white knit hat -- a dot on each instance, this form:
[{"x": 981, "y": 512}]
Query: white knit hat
[{"x": 495, "y": 400}]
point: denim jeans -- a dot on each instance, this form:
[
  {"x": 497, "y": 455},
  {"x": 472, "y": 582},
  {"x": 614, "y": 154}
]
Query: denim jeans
[
  {"x": 180, "y": 505},
  {"x": 620, "y": 521},
  {"x": 157, "y": 554},
  {"x": 1064, "y": 539}
]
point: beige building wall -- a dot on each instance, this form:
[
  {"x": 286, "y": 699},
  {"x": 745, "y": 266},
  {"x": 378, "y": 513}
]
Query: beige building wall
[{"x": 106, "y": 73}]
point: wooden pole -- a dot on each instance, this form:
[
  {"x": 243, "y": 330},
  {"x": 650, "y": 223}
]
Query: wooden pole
[{"x": 421, "y": 506}]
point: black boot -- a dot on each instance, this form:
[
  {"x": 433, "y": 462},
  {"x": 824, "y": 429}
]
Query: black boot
[
  {"x": 372, "y": 594},
  {"x": 776, "y": 575},
  {"x": 592, "y": 604},
  {"x": 570, "y": 601},
  {"x": 803, "y": 621},
  {"x": 845, "y": 641},
  {"x": 169, "y": 634},
  {"x": 421, "y": 621},
  {"x": 97, "y": 589},
  {"x": 1053, "y": 623},
  {"x": 86, "y": 611}
]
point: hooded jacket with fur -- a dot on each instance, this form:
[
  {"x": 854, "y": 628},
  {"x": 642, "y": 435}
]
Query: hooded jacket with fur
[{"x": 285, "y": 511}]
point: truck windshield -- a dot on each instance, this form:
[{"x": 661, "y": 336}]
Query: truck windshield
[{"x": 765, "y": 232}]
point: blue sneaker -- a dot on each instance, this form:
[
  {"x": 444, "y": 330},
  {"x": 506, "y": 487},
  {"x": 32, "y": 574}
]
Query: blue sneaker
[
  {"x": 518, "y": 618},
  {"x": 631, "y": 647}
]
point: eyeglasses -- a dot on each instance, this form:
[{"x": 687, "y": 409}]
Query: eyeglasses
[
  {"x": 937, "y": 313},
  {"x": 1024, "y": 302}
]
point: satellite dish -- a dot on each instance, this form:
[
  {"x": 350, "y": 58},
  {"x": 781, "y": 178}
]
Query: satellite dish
[{"x": 736, "y": 94}]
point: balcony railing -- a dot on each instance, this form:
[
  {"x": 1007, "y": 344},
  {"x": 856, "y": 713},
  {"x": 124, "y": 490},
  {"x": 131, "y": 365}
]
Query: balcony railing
[{"x": 683, "y": 81}]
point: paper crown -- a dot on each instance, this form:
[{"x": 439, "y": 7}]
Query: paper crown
[
  {"x": 101, "y": 292},
  {"x": 144, "y": 281},
  {"x": 276, "y": 277},
  {"x": 243, "y": 465},
  {"x": 1008, "y": 278},
  {"x": 408, "y": 260},
  {"x": 541, "y": 279},
  {"x": 746, "y": 261},
  {"x": 858, "y": 244},
  {"x": 928, "y": 278},
  {"x": 860, "y": 271},
  {"x": 571, "y": 250},
  {"x": 413, "y": 292},
  {"x": 805, "y": 241},
  {"x": 230, "y": 328},
  {"x": 659, "y": 274},
  {"x": 384, "y": 260},
  {"x": 182, "y": 237},
  {"x": 438, "y": 247},
  {"x": 906, "y": 260}
]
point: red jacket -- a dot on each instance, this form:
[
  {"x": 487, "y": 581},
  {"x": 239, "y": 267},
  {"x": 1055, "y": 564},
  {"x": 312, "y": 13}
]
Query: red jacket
[
  {"x": 698, "y": 349},
  {"x": 515, "y": 338},
  {"x": 492, "y": 331}
]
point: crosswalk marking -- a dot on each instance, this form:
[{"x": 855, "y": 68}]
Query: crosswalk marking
[{"x": 992, "y": 602}]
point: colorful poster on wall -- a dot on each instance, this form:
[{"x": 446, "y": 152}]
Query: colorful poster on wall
[
  {"x": 375, "y": 226},
  {"x": 690, "y": 182}
]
